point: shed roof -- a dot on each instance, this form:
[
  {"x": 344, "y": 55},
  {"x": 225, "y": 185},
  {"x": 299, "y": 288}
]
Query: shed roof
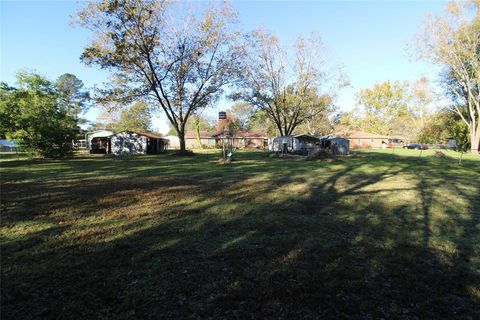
[
  {"x": 306, "y": 137},
  {"x": 145, "y": 134}
]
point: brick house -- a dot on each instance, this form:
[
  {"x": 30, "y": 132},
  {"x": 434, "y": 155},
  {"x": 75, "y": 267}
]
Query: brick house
[
  {"x": 215, "y": 139},
  {"x": 365, "y": 140}
]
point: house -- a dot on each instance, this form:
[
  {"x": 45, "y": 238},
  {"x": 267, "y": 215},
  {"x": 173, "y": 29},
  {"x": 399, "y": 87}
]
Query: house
[
  {"x": 131, "y": 143},
  {"x": 215, "y": 139},
  {"x": 97, "y": 141},
  {"x": 173, "y": 142},
  {"x": 365, "y": 140}
]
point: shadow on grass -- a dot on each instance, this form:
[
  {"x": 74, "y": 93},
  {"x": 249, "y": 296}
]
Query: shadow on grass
[{"x": 363, "y": 237}]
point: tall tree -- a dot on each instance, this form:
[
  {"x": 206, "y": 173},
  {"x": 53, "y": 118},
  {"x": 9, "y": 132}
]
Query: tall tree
[
  {"x": 135, "y": 118},
  {"x": 31, "y": 114},
  {"x": 179, "y": 59},
  {"x": 287, "y": 90},
  {"x": 320, "y": 124},
  {"x": 421, "y": 100},
  {"x": 72, "y": 96},
  {"x": 382, "y": 109},
  {"x": 452, "y": 40}
]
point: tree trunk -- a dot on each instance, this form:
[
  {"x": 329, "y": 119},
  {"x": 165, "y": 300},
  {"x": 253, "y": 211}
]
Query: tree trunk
[
  {"x": 181, "y": 138},
  {"x": 199, "y": 140},
  {"x": 474, "y": 139}
]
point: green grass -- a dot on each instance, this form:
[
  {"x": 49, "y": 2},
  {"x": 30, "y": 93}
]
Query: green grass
[{"x": 373, "y": 235}]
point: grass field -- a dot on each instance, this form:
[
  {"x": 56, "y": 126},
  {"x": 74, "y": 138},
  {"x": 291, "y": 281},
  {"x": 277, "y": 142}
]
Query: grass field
[{"x": 369, "y": 236}]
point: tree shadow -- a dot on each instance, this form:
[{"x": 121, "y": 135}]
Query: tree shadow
[{"x": 266, "y": 240}]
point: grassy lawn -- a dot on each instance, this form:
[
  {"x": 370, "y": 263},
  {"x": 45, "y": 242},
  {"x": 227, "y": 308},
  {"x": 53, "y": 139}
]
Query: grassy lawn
[{"x": 373, "y": 235}]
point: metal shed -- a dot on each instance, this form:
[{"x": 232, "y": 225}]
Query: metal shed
[
  {"x": 97, "y": 141},
  {"x": 335, "y": 145},
  {"x": 131, "y": 143}
]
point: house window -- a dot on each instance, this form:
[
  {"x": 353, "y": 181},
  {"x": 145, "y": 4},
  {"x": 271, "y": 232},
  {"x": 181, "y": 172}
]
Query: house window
[
  {"x": 359, "y": 141},
  {"x": 371, "y": 140}
]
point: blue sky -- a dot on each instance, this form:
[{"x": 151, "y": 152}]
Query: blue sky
[{"x": 368, "y": 38}]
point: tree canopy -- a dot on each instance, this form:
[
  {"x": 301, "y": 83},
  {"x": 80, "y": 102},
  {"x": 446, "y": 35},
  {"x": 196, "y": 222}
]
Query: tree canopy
[
  {"x": 72, "y": 96},
  {"x": 137, "y": 118},
  {"x": 32, "y": 115}
]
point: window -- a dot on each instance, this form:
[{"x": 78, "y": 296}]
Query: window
[
  {"x": 359, "y": 141},
  {"x": 371, "y": 140}
]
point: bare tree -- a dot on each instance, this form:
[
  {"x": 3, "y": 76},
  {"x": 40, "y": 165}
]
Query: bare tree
[
  {"x": 452, "y": 40},
  {"x": 288, "y": 91},
  {"x": 177, "y": 58}
]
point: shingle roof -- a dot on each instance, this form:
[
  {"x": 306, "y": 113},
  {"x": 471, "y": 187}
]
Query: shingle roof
[
  {"x": 149, "y": 135},
  {"x": 222, "y": 134}
]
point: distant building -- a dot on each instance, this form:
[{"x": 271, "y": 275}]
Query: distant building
[
  {"x": 366, "y": 140},
  {"x": 215, "y": 139},
  {"x": 173, "y": 142}
]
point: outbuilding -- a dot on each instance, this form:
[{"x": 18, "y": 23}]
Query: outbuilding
[
  {"x": 131, "y": 143},
  {"x": 335, "y": 145},
  {"x": 97, "y": 141},
  {"x": 302, "y": 144}
]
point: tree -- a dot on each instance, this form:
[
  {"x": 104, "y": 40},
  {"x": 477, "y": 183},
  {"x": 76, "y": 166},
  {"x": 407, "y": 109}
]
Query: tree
[
  {"x": 199, "y": 121},
  {"x": 382, "y": 109},
  {"x": 135, "y": 118},
  {"x": 260, "y": 121},
  {"x": 71, "y": 95},
  {"x": 242, "y": 112},
  {"x": 181, "y": 62},
  {"x": 32, "y": 115},
  {"x": 421, "y": 99},
  {"x": 452, "y": 40},
  {"x": 318, "y": 125},
  {"x": 442, "y": 126},
  {"x": 289, "y": 93}
]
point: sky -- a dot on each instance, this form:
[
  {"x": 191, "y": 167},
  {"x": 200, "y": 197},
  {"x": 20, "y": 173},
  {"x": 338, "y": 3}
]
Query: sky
[{"x": 368, "y": 38}]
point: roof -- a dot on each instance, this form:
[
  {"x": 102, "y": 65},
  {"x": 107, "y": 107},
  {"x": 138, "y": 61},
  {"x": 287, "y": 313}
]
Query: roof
[
  {"x": 145, "y": 134},
  {"x": 102, "y": 132},
  {"x": 332, "y": 137},
  {"x": 306, "y": 137},
  {"x": 222, "y": 134},
  {"x": 360, "y": 135},
  {"x": 149, "y": 135}
]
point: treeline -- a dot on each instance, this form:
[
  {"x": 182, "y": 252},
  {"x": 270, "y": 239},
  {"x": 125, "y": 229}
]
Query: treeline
[{"x": 411, "y": 111}]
